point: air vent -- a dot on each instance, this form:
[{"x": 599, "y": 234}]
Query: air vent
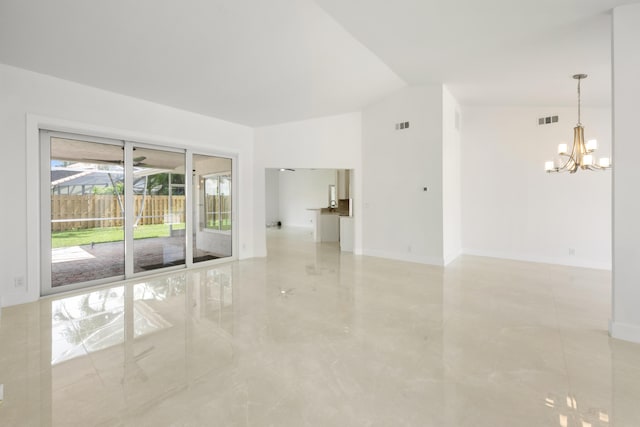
[
  {"x": 402, "y": 126},
  {"x": 547, "y": 120}
]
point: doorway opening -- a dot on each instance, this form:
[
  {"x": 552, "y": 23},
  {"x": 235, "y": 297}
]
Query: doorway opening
[{"x": 318, "y": 202}]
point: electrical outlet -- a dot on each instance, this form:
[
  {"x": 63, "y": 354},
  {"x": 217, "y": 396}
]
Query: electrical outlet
[
  {"x": 572, "y": 251},
  {"x": 18, "y": 282},
  {"x": 409, "y": 248}
]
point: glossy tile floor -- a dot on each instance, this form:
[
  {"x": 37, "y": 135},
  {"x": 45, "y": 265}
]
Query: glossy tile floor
[{"x": 312, "y": 337}]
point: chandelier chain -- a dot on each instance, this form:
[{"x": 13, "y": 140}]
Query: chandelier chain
[{"x": 579, "y": 123}]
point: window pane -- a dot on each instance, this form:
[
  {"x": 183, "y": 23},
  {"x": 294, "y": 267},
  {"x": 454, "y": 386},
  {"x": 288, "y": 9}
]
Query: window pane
[
  {"x": 87, "y": 199},
  {"x": 212, "y": 207},
  {"x": 159, "y": 209}
]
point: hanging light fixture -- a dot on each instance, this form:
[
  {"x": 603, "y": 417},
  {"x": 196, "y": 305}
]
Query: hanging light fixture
[{"x": 581, "y": 156}]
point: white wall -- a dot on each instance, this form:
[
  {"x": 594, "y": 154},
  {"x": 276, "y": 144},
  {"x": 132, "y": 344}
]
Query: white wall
[
  {"x": 301, "y": 190},
  {"x": 451, "y": 178},
  {"x": 512, "y": 208},
  {"x": 324, "y": 143},
  {"x": 29, "y": 99},
  {"x": 626, "y": 189},
  {"x": 272, "y": 196},
  {"x": 402, "y": 221}
]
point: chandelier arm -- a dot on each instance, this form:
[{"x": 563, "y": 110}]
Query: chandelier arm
[
  {"x": 558, "y": 170},
  {"x": 569, "y": 160},
  {"x": 598, "y": 167}
]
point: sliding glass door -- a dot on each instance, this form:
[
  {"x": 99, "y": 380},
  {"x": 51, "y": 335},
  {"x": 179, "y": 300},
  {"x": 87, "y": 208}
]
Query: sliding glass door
[
  {"x": 212, "y": 208},
  {"x": 86, "y": 183},
  {"x": 159, "y": 209},
  {"x": 114, "y": 209}
]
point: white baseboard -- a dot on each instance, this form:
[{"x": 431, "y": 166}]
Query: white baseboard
[
  {"x": 625, "y": 331},
  {"x": 298, "y": 226},
  {"x": 448, "y": 259},
  {"x": 420, "y": 259},
  {"x": 568, "y": 261},
  {"x": 16, "y": 299}
]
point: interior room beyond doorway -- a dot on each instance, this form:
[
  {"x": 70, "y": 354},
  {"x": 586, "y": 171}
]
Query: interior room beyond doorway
[{"x": 317, "y": 200}]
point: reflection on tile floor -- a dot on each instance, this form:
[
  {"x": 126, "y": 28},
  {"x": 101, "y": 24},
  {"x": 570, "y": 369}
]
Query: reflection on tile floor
[{"x": 310, "y": 336}]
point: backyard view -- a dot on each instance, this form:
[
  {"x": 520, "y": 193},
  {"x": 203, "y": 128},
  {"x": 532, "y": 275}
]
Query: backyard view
[
  {"x": 88, "y": 210},
  {"x": 89, "y": 197},
  {"x": 87, "y": 236}
]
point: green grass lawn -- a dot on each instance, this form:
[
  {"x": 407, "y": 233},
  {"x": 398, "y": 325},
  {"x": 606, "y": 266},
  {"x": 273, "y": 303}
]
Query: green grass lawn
[
  {"x": 62, "y": 239},
  {"x": 215, "y": 225}
]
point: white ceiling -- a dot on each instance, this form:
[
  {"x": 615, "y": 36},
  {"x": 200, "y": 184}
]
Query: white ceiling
[
  {"x": 263, "y": 62},
  {"x": 249, "y": 61},
  {"x": 502, "y": 52}
]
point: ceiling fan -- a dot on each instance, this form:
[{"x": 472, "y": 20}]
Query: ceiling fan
[{"x": 137, "y": 161}]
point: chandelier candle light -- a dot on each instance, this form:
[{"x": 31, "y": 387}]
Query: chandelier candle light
[{"x": 581, "y": 156}]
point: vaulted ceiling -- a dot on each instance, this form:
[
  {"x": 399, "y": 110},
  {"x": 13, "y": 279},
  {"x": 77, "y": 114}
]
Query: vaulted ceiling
[{"x": 264, "y": 62}]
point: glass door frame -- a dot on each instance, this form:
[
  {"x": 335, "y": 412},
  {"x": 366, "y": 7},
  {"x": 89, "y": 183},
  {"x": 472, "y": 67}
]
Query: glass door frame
[
  {"x": 190, "y": 229},
  {"x": 45, "y": 212},
  {"x": 128, "y": 147},
  {"x": 129, "y": 217}
]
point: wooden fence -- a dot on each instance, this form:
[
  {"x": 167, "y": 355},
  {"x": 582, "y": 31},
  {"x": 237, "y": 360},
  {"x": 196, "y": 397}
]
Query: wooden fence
[{"x": 71, "y": 212}]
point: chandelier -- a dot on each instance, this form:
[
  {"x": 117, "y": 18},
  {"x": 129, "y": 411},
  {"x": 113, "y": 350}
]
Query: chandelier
[{"x": 581, "y": 156}]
